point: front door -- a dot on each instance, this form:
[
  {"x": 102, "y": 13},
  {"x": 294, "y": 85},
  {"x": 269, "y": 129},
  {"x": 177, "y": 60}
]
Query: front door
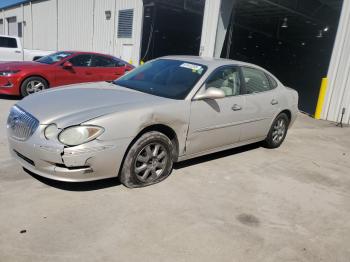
[
  {"x": 81, "y": 71},
  {"x": 217, "y": 123}
]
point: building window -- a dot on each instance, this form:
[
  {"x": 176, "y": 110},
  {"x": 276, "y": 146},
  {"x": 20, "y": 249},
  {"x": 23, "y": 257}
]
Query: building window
[
  {"x": 2, "y": 27},
  {"x": 125, "y": 23},
  {"x": 20, "y": 31},
  {"x": 12, "y": 26}
]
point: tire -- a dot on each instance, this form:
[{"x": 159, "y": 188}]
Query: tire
[
  {"x": 148, "y": 161},
  {"x": 278, "y": 131},
  {"x": 33, "y": 85}
]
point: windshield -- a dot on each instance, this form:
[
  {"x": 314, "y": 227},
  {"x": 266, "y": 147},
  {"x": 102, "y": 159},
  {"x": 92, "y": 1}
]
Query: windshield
[
  {"x": 164, "y": 77},
  {"x": 53, "y": 58}
]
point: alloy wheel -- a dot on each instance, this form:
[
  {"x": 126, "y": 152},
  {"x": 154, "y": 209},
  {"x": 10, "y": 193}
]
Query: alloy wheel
[
  {"x": 279, "y": 130},
  {"x": 151, "y": 162},
  {"x": 34, "y": 87}
]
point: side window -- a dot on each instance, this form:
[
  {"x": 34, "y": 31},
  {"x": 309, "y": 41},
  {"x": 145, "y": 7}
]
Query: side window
[
  {"x": 8, "y": 42},
  {"x": 227, "y": 79},
  {"x": 81, "y": 60},
  {"x": 273, "y": 82},
  {"x": 103, "y": 61},
  {"x": 255, "y": 80}
]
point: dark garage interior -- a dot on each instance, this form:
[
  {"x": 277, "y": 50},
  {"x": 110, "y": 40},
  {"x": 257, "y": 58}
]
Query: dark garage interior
[
  {"x": 171, "y": 27},
  {"x": 291, "y": 38}
]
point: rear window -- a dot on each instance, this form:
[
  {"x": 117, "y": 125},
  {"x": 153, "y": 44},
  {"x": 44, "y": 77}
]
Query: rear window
[{"x": 8, "y": 42}]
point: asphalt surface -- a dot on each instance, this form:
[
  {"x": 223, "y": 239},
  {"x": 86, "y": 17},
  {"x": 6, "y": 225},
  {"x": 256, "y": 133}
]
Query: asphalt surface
[{"x": 246, "y": 204}]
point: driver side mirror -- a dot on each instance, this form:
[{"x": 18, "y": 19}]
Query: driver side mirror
[
  {"x": 210, "y": 93},
  {"x": 67, "y": 65}
]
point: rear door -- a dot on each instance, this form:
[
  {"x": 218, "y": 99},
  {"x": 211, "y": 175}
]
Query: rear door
[
  {"x": 106, "y": 68},
  {"x": 261, "y": 104},
  {"x": 81, "y": 71},
  {"x": 9, "y": 49}
]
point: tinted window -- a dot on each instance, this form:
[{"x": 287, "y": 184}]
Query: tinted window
[
  {"x": 81, "y": 60},
  {"x": 8, "y": 42},
  {"x": 164, "y": 77},
  {"x": 104, "y": 61},
  {"x": 255, "y": 80},
  {"x": 227, "y": 79},
  {"x": 53, "y": 58}
]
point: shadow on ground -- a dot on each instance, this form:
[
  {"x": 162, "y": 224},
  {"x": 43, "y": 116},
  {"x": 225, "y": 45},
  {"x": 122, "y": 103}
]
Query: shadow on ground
[
  {"x": 6, "y": 97},
  {"x": 113, "y": 182}
]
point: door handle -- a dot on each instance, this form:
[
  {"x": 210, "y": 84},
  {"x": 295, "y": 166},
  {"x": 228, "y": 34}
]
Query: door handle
[
  {"x": 18, "y": 52},
  {"x": 236, "y": 107},
  {"x": 274, "y": 102},
  {"x": 89, "y": 73}
]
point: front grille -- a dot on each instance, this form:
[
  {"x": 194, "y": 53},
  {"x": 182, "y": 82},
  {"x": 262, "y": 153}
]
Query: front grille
[{"x": 21, "y": 125}]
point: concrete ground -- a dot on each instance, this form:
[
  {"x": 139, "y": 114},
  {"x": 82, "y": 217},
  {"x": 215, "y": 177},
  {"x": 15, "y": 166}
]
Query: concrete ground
[{"x": 247, "y": 204}]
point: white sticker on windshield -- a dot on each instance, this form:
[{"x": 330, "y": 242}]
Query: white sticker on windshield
[{"x": 195, "y": 68}]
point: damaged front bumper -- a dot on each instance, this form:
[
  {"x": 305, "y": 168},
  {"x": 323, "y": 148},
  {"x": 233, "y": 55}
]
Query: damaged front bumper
[{"x": 91, "y": 161}]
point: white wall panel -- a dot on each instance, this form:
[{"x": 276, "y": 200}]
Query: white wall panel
[
  {"x": 123, "y": 45},
  {"x": 28, "y": 27},
  {"x": 103, "y": 29},
  {"x": 209, "y": 29},
  {"x": 75, "y": 24},
  {"x": 338, "y": 91},
  {"x": 44, "y": 25}
]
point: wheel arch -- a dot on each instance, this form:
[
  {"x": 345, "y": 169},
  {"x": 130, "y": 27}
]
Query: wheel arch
[
  {"x": 164, "y": 129},
  {"x": 35, "y": 75}
]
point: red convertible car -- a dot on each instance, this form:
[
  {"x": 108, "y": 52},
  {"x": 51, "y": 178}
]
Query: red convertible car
[{"x": 59, "y": 69}]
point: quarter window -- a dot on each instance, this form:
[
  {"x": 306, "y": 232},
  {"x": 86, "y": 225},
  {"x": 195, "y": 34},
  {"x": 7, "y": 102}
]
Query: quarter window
[
  {"x": 255, "y": 80},
  {"x": 273, "y": 82},
  {"x": 227, "y": 79},
  {"x": 81, "y": 61}
]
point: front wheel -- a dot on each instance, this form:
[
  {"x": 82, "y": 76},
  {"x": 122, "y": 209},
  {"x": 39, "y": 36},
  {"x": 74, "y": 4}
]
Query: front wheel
[
  {"x": 278, "y": 131},
  {"x": 149, "y": 161},
  {"x": 33, "y": 85}
]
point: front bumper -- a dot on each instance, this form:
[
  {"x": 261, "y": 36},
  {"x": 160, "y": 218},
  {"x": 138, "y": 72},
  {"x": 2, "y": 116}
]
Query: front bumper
[
  {"x": 91, "y": 161},
  {"x": 9, "y": 85}
]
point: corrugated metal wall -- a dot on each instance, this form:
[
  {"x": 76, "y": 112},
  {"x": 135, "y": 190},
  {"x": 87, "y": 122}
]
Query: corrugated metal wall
[
  {"x": 79, "y": 25},
  {"x": 104, "y": 29},
  {"x": 338, "y": 92},
  {"x": 75, "y": 24},
  {"x": 44, "y": 25}
]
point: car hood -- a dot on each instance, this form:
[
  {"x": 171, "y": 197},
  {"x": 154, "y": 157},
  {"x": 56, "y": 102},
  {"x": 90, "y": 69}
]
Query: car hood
[
  {"x": 79, "y": 103},
  {"x": 18, "y": 65}
]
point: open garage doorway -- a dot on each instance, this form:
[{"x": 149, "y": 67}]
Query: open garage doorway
[
  {"x": 171, "y": 27},
  {"x": 291, "y": 38}
]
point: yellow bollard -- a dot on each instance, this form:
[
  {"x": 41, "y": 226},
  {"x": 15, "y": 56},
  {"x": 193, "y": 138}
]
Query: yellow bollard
[{"x": 321, "y": 98}]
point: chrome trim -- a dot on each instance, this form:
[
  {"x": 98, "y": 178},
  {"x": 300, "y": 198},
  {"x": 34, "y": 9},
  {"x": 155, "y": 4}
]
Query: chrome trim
[{"x": 20, "y": 124}]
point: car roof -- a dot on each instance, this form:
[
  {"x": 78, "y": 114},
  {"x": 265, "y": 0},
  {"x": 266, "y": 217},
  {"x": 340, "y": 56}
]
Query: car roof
[
  {"x": 210, "y": 62},
  {"x": 85, "y": 52}
]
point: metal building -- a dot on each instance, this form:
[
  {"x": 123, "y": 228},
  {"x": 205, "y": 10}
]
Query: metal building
[{"x": 301, "y": 42}]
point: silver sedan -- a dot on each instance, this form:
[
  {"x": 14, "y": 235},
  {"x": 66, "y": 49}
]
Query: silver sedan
[{"x": 168, "y": 110}]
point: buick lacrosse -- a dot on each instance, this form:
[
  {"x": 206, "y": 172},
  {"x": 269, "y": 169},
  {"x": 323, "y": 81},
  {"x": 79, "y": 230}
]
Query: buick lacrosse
[{"x": 168, "y": 110}]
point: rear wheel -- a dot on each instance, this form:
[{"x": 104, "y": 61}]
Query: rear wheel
[
  {"x": 278, "y": 131},
  {"x": 149, "y": 161},
  {"x": 33, "y": 85}
]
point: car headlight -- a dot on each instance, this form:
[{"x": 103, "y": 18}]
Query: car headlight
[
  {"x": 51, "y": 132},
  {"x": 8, "y": 73},
  {"x": 78, "y": 135}
]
